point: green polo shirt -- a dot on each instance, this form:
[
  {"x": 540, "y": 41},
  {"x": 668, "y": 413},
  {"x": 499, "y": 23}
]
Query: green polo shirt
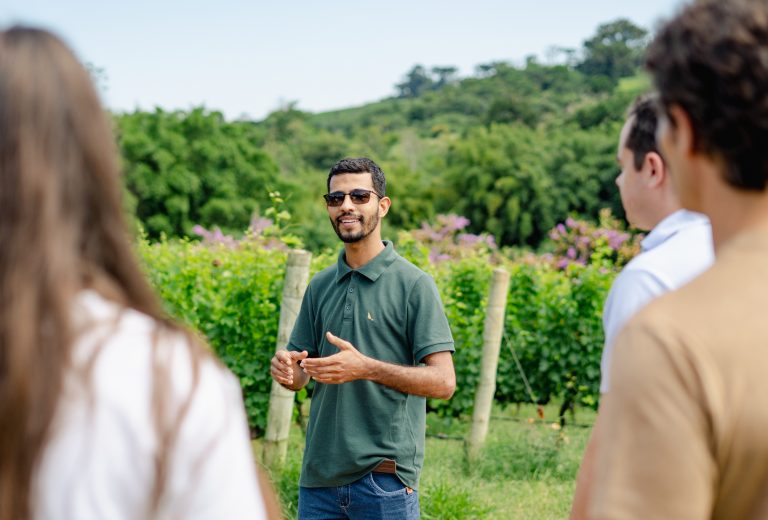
[{"x": 389, "y": 310}]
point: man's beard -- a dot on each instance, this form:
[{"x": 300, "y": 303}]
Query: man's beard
[{"x": 367, "y": 226}]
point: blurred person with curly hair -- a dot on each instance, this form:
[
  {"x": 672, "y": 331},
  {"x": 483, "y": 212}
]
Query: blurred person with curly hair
[{"x": 686, "y": 416}]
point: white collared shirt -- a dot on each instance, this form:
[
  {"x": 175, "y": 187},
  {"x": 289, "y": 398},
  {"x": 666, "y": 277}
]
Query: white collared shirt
[{"x": 677, "y": 250}]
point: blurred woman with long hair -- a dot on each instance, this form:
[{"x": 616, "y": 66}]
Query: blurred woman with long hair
[{"x": 107, "y": 409}]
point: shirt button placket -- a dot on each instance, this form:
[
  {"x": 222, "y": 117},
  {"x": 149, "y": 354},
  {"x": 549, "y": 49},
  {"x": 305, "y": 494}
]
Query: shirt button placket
[{"x": 349, "y": 301}]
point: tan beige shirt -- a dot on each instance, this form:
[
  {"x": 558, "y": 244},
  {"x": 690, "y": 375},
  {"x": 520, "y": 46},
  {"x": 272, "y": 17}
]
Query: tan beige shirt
[{"x": 686, "y": 421}]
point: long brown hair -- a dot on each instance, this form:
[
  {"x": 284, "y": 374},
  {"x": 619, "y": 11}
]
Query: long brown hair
[{"x": 61, "y": 230}]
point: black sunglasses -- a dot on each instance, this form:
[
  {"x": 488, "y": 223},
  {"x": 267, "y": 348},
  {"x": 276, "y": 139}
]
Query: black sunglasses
[{"x": 357, "y": 196}]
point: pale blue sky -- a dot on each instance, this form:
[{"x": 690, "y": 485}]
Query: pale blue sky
[{"x": 246, "y": 58}]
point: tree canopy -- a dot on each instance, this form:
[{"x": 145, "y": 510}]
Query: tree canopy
[
  {"x": 615, "y": 51},
  {"x": 515, "y": 148}
]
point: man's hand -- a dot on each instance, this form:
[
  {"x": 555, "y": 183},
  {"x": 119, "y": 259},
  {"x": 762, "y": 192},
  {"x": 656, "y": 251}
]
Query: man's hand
[
  {"x": 285, "y": 369},
  {"x": 347, "y": 365}
]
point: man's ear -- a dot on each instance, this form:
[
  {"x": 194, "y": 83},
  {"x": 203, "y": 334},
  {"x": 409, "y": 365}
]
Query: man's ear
[
  {"x": 655, "y": 169},
  {"x": 384, "y": 205}
]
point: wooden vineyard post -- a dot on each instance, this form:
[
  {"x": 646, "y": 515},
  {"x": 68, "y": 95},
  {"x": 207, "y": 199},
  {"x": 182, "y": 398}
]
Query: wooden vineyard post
[
  {"x": 281, "y": 399},
  {"x": 493, "y": 329}
]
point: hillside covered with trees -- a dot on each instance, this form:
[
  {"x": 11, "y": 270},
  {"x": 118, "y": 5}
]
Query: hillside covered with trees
[{"x": 515, "y": 148}]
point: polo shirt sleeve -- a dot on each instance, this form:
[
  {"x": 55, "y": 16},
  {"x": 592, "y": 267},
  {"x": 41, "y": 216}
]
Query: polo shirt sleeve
[
  {"x": 303, "y": 336},
  {"x": 631, "y": 291},
  {"x": 656, "y": 460},
  {"x": 427, "y": 326}
]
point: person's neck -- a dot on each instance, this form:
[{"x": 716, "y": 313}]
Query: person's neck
[
  {"x": 731, "y": 211},
  {"x": 360, "y": 253},
  {"x": 734, "y": 212},
  {"x": 659, "y": 217},
  {"x": 665, "y": 203}
]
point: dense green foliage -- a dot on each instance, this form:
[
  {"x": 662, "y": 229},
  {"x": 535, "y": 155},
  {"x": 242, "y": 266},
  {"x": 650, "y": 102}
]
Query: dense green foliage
[
  {"x": 516, "y": 148},
  {"x": 183, "y": 169},
  {"x": 233, "y": 298},
  {"x": 552, "y": 324},
  {"x": 615, "y": 51}
]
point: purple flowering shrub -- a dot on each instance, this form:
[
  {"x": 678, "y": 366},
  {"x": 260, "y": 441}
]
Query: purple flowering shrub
[
  {"x": 580, "y": 242},
  {"x": 267, "y": 233},
  {"x": 445, "y": 240}
]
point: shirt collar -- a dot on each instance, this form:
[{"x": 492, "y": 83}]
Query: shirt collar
[
  {"x": 668, "y": 227},
  {"x": 373, "y": 269}
]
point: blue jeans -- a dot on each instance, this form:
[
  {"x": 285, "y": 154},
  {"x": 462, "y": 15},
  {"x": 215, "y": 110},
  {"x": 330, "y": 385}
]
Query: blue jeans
[{"x": 376, "y": 496}]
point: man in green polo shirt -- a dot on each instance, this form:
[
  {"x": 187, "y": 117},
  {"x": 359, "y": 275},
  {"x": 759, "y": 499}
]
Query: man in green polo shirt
[{"x": 373, "y": 335}]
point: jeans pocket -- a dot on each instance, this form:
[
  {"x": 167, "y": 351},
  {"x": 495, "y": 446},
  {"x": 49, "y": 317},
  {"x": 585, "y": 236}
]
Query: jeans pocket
[{"x": 386, "y": 483}]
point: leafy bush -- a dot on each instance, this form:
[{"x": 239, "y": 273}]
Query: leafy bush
[
  {"x": 232, "y": 296},
  {"x": 554, "y": 326},
  {"x": 463, "y": 286},
  {"x": 192, "y": 167}
]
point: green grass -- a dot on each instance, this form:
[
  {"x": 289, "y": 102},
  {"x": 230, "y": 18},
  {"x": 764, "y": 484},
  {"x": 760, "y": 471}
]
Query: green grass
[
  {"x": 635, "y": 84},
  {"x": 527, "y": 468}
]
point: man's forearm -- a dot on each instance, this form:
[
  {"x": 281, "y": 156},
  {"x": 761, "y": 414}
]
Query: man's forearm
[
  {"x": 427, "y": 381},
  {"x": 436, "y": 379}
]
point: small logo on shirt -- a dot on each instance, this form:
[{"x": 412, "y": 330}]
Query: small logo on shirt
[{"x": 369, "y": 316}]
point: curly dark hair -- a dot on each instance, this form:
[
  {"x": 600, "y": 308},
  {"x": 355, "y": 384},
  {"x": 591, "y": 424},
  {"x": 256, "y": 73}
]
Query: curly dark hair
[
  {"x": 712, "y": 61},
  {"x": 360, "y": 165},
  {"x": 641, "y": 139}
]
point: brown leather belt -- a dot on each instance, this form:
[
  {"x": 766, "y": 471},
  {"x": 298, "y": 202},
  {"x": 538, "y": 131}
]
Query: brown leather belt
[{"x": 386, "y": 466}]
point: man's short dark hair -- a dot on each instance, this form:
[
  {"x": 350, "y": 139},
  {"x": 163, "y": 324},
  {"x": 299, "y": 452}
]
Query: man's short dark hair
[
  {"x": 360, "y": 165},
  {"x": 712, "y": 61},
  {"x": 641, "y": 139}
]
